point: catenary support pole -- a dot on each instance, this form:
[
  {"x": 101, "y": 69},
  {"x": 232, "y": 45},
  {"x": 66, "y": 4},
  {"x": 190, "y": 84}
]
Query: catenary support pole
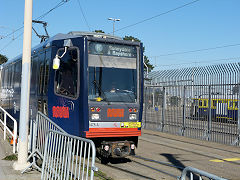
[{"x": 25, "y": 88}]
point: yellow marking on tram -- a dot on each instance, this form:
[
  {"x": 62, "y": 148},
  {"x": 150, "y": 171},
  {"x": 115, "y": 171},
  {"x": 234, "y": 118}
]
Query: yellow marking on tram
[{"x": 227, "y": 159}]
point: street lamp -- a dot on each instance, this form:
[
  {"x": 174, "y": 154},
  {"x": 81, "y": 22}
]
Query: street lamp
[{"x": 114, "y": 20}]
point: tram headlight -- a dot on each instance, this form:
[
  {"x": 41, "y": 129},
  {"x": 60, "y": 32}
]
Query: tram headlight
[
  {"x": 95, "y": 116},
  {"x": 132, "y": 116}
]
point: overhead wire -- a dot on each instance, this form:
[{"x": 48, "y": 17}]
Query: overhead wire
[
  {"x": 171, "y": 10},
  {"x": 55, "y": 7},
  {"x": 10, "y": 42},
  {"x": 161, "y": 14},
  {"x": 38, "y": 18},
  {"x": 12, "y": 33},
  {"x": 84, "y": 17},
  {"x": 198, "y": 50}
]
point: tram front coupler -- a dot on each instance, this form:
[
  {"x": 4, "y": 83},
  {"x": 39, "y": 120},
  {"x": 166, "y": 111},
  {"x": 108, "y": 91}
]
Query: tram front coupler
[{"x": 117, "y": 149}]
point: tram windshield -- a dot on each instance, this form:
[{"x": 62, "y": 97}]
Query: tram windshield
[{"x": 112, "y": 73}]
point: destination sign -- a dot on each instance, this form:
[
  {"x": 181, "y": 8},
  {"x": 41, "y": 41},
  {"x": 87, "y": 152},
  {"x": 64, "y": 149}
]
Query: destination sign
[{"x": 109, "y": 49}]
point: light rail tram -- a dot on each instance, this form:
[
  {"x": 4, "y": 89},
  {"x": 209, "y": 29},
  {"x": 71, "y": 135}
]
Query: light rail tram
[{"x": 90, "y": 84}]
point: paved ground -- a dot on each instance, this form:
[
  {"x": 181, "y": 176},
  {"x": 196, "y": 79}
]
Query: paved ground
[
  {"x": 218, "y": 159},
  {"x": 6, "y": 170},
  {"x": 177, "y": 151}
]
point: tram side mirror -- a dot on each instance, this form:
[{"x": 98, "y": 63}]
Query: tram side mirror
[
  {"x": 68, "y": 43},
  {"x": 57, "y": 59}
]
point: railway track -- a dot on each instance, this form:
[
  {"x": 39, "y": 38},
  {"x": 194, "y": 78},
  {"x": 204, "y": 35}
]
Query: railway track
[
  {"x": 159, "y": 163},
  {"x": 164, "y": 156},
  {"x": 127, "y": 166}
]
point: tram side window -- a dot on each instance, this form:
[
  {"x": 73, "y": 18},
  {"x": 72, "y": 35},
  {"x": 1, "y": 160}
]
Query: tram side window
[
  {"x": 195, "y": 102},
  {"x": 230, "y": 104},
  {"x": 46, "y": 72},
  {"x": 205, "y": 103},
  {"x": 17, "y": 77},
  {"x": 66, "y": 77},
  {"x": 5, "y": 78},
  {"x": 11, "y": 69},
  {"x": 236, "y": 104},
  {"x": 34, "y": 74},
  {"x": 214, "y": 103},
  {"x": 40, "y": 78},
  {"x": 2, "y": 78}
]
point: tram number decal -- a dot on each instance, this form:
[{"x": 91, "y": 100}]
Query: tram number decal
[
  {"x": 115, "y": 113},
  {"x": 60, "y": 112}
]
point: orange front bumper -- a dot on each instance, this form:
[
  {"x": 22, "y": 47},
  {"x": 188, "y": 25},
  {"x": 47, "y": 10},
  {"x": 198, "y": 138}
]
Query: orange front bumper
[{"x": 112, "y": 132}]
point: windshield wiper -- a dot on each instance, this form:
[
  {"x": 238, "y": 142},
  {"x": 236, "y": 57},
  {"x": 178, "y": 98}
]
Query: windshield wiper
[
  {"x": 100, "y": 90},
  {"x": 127, "y": 92}
]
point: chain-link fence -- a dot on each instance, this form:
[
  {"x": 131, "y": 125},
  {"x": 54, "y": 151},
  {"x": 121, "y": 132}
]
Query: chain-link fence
[{"x": 197, "y": 102}]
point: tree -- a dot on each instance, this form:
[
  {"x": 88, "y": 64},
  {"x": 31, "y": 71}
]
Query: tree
[
  {"x": 99, "y": 31},
  {"x": 3, "y": 59},
  {"x": 146, "y": 60}
]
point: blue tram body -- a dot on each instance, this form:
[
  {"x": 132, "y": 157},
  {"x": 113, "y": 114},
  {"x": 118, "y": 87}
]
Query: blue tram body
[{"x": 96, "y": 92}]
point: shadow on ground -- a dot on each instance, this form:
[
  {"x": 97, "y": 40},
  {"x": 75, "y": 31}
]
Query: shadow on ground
[{"x": 173, "y": 159}]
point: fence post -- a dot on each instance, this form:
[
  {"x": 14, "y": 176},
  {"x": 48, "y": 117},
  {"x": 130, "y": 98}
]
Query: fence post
[
  {"x": 209, "y": 114},
  {"x": 5, "y": 125},
  {"x": 238, "y": 136},
  {"x": 153, "y": 94},
  {"x": 184, "y": 111},
  {"x": 163, "y": 108},
  {"x": 145, "y": 108},
  {"x": 236, "y": 142}
]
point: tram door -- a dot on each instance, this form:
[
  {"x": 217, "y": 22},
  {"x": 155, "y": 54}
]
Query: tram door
[{"x": 43, "y": 81}]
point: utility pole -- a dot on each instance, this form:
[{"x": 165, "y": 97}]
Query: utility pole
[{"x": 22, "y": 163}]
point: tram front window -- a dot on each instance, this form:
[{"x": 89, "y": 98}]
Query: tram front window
[
  {"x": 113, "y": 76},
  {"x": 112, "y": 84}
]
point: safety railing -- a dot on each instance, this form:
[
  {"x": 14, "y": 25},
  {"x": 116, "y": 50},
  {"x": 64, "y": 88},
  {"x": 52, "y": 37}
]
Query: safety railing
[
  {"x": 68, "y": 157},
  {"x": 39, "y": 132},
  {"x": 6, "y": 128},
  {"x": 196, "y": 173}
]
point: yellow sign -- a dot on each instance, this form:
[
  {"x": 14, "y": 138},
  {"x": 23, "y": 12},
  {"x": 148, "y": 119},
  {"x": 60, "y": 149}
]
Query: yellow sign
[{"x": 130, "y": 124}]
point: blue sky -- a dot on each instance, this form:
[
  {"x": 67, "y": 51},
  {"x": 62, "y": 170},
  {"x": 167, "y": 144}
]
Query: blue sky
[{"x": 204, "y": 24}]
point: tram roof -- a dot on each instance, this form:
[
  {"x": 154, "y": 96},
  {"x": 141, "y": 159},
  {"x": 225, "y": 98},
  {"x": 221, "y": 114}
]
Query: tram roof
[
  {"x": 73, "y": 34},
  {"x": 219, "y": 96}
]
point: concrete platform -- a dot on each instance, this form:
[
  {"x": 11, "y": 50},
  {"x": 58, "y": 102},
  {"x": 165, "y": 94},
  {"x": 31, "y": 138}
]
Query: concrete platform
[{"x": 6, "y": 167}]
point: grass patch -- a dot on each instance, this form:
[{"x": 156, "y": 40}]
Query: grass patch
[
  {"x": 102, "y": 175},
  {"x": 12, "y": 157}
]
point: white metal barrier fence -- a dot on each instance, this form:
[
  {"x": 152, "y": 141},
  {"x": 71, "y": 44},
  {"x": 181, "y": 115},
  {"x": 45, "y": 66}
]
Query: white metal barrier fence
[
  {"x": 6, "y": 128},
  {"x": 39, "y": 134},
  {"x": 68, "y": 157},
  {"x": 196, "y": 172}
]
